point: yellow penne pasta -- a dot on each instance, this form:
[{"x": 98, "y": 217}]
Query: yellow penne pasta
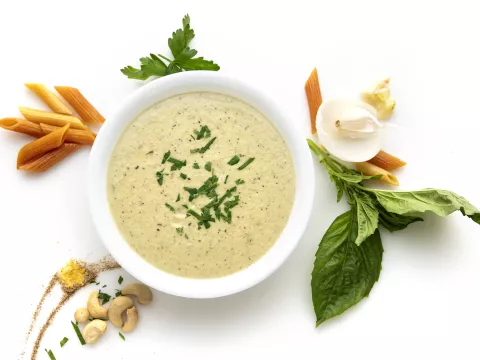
[
  {"x": 22, "y": 126},
  {"x": 50, "y": 118},
  {"x": 314, "y": 98},
  {"x": 41, "y": 146},
  {"x": 81, "y": 105},
  {"x": 49, "y": 159},
  {"x": 52, "y": 100},
  {"x": 387, "y": 161},
  {"x": 82, "y": 137},
  {"x": 371, "y": 170}
]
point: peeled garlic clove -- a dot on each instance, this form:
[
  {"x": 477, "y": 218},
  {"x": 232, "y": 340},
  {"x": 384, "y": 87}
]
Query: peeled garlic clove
[
  {"x": 379, "y": 97},
  {"x": 359, "y": 136},
  {"x": 386, "y": 109}
]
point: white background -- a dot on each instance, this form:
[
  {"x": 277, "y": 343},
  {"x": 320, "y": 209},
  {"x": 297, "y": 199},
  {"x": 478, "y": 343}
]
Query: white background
[{"x": 425, "y": 305}]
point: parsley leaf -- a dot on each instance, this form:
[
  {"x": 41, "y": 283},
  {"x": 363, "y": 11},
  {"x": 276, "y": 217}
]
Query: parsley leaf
[{"x": 184, "y": 57}]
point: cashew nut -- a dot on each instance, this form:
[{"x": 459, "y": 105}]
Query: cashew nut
[
  {"x": 142, "y": 292},
  {"x": 132, "y": 320},
  {"x": 116, "y": 309},
  {"x": 93, "y": 330},
  {"x": 94, "y": 308},
  {"x": 81, "y": 315}
]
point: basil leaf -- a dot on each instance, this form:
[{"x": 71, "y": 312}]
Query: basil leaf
[
  {"x": 367, "y": 217},
  {"x": 441, "y": 202},
  {"x": 394, "y": 222},
  {"x": 344, "y": 273},
  {"x": 338, "y": 183}
]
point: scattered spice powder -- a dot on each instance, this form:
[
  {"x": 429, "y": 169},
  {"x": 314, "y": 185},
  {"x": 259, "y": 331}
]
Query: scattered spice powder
[{"x": 72, "y": 277}]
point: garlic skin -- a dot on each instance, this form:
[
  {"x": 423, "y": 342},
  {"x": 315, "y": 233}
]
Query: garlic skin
[
  {"x": 378, "y": 95},
  {"x": 349, "y": 129}
]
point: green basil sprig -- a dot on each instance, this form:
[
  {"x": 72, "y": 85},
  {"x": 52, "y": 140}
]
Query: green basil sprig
[{"x": 349, "y": 257}]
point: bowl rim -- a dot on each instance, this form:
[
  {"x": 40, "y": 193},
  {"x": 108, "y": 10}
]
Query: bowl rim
[{"x": 103, "y": 220}]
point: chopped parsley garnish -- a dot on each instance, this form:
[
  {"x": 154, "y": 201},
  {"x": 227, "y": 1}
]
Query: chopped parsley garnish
[
  {"x": 149, "y": 153},
  {"x": 226, "y": 179},
  {"x": 178, "y": 198},
  {"x": 239, "y": 181},
  {"x": 195, "y": 165},
  {"x": 203, "y": 133},
  {"x": 64, "y": 341},
  {"x": 118, "y": 293},
  {"x": 192, "y": 191},
  {"x": 120, "y": 280},
  {"x": 104, "y": 297},
  {"x": 122, "y": 336},
  {"x": 177, "y": 164},
  {"x": 208, "y": 166},
  {"x": 183, "y": 176},
  {"x": 179, "y": 230},
  {"x": 160, "y": 175},
  {"x": 246, "y": 163},
  {"x": 170, "y": 207},
  {"x": 166, "y": 156},
  {"x": 204, "y": 148},
  {"x": 185, "y": 206},
  {"x": 79, "y": 334},
  {"x": 50, "y": 354},
  {"x": 234, "y": 160}
]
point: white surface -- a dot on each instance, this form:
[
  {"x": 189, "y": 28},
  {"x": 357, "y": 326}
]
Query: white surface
[
  {"x": 425, "y": 305},
  {"x": 107, "y": 139}
]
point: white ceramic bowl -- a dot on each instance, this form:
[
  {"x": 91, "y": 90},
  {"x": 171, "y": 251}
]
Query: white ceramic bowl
[{"x": 108, "y": 137}]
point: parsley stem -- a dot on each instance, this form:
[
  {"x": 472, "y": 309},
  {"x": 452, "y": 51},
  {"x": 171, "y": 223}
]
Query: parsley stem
[{"x": 164, "y": 58}]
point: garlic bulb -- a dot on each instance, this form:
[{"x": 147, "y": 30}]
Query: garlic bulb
[{"x": 349, "y": 129}]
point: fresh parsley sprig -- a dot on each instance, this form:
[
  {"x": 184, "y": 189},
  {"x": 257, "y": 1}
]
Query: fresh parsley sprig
[
  {"x": 349, "y": 257},
  {"x": 183, "y": 57}
]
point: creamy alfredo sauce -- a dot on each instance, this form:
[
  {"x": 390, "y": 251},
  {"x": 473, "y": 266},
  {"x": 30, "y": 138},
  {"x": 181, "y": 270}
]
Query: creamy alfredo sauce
[{"x": 158, "y": 227}]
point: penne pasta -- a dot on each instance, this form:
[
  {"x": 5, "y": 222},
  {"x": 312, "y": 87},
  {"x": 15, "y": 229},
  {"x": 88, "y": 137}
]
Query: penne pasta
[
  {"x": 22, "y": 126},
  {"x": 81, "y": 105},
  {"x": 50, "y": 118},
  {"x": 314, "y": 98},
  {"x": 371, "y": 170},
  {"x": 82, "y": 137},
  {"x": 49, "y": 98},
  {"x": 49, "y": 159},
  {"x": 41, "y": 146},
  {"x": 387, "y": 161}
]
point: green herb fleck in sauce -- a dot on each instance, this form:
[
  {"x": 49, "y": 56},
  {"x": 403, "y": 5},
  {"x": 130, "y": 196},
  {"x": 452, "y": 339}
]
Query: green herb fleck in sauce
[
  {"x": 170, "y": 207},
  {"x": 246, "y": 163},
  {"x": 234, "y": 160},
  {"x": 165, "y": 157}
]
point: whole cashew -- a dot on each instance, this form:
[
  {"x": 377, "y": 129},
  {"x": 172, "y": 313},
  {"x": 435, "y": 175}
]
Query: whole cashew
[
  {"x": 81, "y": 315},
  {"x": 93, "y": 330},
  {"x": 142, "y": 292},
  {"x": 116, "y": 309},
  {"x": 132, "y": 320},
  {"x": 94, "y": 308}
]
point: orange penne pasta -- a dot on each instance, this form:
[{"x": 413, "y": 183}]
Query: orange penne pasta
[
  {"x": 52, "y": 100},
  {"x": 47, "y": 160},
  {"x": 41, "y": 146},
  {"x": 371, "y": 170},
  {"x": 314, "y": 98},
  {"x": 387, "y": 161},
  {"x": 22, "y": 126},
  {"x": 81, "y": 105},
  {"x": 50, "y": 118},
  {"x": 82, "y": 137}
]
